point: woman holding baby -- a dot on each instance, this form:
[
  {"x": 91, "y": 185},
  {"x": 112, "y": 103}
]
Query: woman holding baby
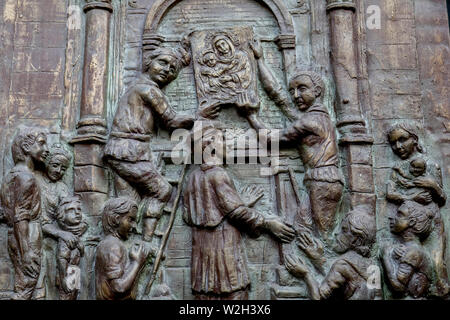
[{"x": 418, "y": 180}]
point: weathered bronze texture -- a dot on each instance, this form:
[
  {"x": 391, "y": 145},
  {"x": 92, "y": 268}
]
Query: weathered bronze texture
[
  {"x": 348, "y": 275},
  {"x": 217, "y": 215},
  {"x": 21, "y": 200},
  {"x": 415, "y": 186},
  {"x": 224, "y": 150},
  {"x": 116, "y": 268},
  {"x": 127, "y": 150}
]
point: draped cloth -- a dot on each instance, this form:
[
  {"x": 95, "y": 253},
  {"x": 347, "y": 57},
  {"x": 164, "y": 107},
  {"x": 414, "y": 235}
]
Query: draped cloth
[
  {"x": 21, "y": 199},
  {"x": 216, "y": 212}
]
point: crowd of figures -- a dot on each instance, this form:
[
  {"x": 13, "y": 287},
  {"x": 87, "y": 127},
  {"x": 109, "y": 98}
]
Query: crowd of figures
[{"x": 38, "y": 206}]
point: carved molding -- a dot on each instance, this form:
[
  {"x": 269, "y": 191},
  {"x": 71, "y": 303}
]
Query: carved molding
[
  {"x": 105, "y": 5},
  {"x": 152, "y": 41},
  {"x": 285, "y": 41},
  {"x": 160, "y": 7},
  {"x": 341, "y": 4}
]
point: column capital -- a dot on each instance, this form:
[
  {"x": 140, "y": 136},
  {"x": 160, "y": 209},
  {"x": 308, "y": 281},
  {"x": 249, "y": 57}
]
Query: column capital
[
  {"x": 340, "y": 4},
  {"x": 151, "y": 41},
  {"x": 285, "y": 41},
  {"x": 91, "y": 129},
  {"x": 98, "y": 4}
]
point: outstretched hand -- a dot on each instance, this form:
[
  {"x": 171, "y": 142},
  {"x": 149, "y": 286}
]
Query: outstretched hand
[
  {"x": 296, "y": 266},
  {"x": 210, "y": 112},
  {"x": 280, "y": 230},
  {"x": 311, "y": 246}
]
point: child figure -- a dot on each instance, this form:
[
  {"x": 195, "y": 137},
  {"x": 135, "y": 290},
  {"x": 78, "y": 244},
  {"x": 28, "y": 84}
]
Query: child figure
[
  {"x": 115, "y": 273},
  {"x": 404, "y": 178},
  {"x": 348, "y": 276},
  {"x": 214, "y": 73},
  {"x": 407, "y": 179},
  {"x": 407, "y": 265},
  {"x": 417, "y": 167},
  {"x": 70, "y": 219}
]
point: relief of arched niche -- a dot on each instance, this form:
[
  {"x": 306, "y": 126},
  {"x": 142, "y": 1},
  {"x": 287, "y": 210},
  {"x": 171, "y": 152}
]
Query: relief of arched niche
[
  {"x": 242, "y": 21},
  {"x": 269, "y": 21}
]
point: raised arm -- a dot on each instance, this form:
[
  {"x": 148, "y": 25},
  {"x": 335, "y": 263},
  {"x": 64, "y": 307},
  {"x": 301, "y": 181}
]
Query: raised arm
[
  {"x": 270, "y": 84},
  {"x": 288, "y": 137},
  {"x": 298, "y": 268},
  {"x": 160, "y": 106}
]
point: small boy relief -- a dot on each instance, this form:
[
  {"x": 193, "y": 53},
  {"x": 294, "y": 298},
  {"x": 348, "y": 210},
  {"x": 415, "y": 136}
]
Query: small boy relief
[
  {"x": 406, "y": 263},
  {"x": 70, "y": 219}
]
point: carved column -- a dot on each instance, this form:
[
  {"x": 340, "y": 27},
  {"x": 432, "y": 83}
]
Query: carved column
[
  {"x": 90, "y": 175},
  {"x": 92, "y": 123},
  {"x": 355, "y": 141}
]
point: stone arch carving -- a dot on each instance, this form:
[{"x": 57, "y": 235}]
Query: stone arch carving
[
  {"x": 160, "y": 8},
  {"x": 285, "y": 41}
]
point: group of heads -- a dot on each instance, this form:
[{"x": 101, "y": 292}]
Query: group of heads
[
  {"x": 411, "y": 217},
  {"x": 31, "y": 142},
  {"x": 358, "y": 226}
]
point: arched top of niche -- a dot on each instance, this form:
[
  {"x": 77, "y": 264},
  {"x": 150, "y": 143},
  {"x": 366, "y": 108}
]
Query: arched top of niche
[{"x": 161, "y": 7}]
